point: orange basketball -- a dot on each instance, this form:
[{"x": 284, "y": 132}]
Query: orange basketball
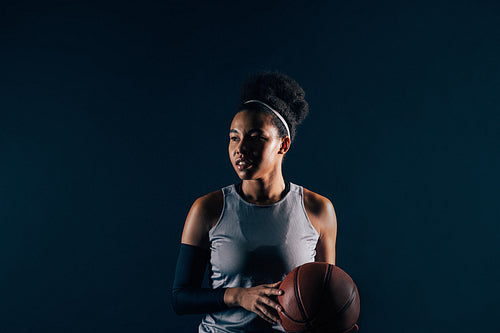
[{"x": 319, "y": 297}]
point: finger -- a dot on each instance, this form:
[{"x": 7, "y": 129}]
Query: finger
[
  {"x": 270, "y": 303},
  {"x": 269, "y": 316},
  {"x": 273, "y": 291},
  {"x": 272, "y": 285},
  {"x": 262, "y": 315}
]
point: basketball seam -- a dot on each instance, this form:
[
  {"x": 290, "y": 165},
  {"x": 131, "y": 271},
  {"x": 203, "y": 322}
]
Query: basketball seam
[
  {"x": 327, "y": 278},
  {"x": 295, "y": 320},
  {"x": 325, "y": 285},
  {"x": 299, "y": 300},
  {"x": 349, "y": 301}
]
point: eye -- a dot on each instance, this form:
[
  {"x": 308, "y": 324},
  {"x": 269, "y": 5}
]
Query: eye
[{"x": 233, "y": 138}]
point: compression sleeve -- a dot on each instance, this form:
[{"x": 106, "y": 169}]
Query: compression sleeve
[{"x": 187, "y": 295}]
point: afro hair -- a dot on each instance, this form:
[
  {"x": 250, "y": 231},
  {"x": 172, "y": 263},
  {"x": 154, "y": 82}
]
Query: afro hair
[{"x": 280, "y": 92}]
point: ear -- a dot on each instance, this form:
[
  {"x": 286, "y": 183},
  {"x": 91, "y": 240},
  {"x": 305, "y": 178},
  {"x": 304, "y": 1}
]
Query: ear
[{"x": 285, "y": 145}]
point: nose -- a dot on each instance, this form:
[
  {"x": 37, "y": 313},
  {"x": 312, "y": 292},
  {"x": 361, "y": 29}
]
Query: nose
[{"x": 242, "y": 147}]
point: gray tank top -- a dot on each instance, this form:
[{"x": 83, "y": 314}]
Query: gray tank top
[{"x": 256, "y": 244}]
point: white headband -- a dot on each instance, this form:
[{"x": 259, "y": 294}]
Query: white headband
[{"x": 275, "y": 112}]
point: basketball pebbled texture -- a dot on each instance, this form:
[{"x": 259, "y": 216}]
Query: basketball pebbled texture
[{"x": 319, "y": 297}]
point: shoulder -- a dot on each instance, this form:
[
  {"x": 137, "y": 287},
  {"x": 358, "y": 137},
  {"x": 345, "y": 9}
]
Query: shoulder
[
  {"x": 203, "y": 215},
  {"x": 209, "y": 206},
  {"x": 320, "y": 211},
  {"x": 316, "y": 203}
]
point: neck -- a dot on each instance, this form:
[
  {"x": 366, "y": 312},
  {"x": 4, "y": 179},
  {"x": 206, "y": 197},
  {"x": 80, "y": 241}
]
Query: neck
[{"x": 263, "y": 191}]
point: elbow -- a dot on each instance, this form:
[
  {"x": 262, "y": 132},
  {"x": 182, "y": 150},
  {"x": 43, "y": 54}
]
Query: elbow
[{"x": 176, "y": 305}]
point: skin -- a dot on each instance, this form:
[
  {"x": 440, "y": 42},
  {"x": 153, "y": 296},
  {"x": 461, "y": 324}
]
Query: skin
[{"x": 253, "y": 137}]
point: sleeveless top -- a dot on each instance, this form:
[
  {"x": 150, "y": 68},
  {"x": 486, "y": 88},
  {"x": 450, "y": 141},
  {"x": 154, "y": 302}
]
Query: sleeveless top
[{"x": 256, "y": 244}]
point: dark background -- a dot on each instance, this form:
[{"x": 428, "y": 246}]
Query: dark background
[{"x": 114, "y": 118}]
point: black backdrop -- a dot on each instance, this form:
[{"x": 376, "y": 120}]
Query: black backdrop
[{"x": 114, "y": 118}]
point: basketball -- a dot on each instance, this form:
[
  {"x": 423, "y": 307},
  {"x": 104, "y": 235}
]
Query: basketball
[{"x": 319, "y": 297}]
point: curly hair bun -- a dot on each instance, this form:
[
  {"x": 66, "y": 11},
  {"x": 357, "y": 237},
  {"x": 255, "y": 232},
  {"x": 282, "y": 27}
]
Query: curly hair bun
[{"x": 279, "y": 91}]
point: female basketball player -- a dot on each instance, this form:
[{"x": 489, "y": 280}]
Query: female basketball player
[{"x": 253, "y": 233}]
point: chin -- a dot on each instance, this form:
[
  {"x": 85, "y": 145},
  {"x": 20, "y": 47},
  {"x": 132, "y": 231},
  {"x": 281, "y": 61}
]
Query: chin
[{"x": 246, "y": 175}]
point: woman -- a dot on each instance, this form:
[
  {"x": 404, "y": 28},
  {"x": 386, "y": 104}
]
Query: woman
[{"x": 253, "y": 233}]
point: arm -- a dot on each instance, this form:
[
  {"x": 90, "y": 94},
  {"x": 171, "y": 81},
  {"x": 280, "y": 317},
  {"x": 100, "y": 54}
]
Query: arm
[
  {"x": 327, "y": 225},
  {"x": 187, "y": 294}
]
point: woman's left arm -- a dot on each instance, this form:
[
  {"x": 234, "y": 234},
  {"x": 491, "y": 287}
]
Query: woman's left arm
[{"x": 327, "y": 225}]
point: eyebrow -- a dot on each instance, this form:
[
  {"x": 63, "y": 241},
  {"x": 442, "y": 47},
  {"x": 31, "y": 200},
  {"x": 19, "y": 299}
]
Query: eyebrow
[{"x": 258, "y": 130}]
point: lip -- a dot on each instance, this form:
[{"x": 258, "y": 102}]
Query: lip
[
  {"x": 244, "y": 167},
  {"x": 247, "y": 164}
]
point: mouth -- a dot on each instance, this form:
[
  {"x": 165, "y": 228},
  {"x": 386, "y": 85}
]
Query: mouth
[{"x": 242, "y": 164}]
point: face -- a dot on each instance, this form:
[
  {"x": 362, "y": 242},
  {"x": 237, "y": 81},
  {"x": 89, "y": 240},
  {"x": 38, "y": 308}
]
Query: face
[{"x": 255, "y": 148}]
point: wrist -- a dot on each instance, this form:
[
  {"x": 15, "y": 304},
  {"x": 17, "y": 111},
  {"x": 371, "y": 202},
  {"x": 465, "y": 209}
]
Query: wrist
[{"x": 231, "y": 296}]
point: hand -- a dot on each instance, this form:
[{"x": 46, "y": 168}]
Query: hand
[{"x": 256, "y": 299}]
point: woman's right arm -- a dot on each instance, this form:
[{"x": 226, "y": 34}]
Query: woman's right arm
[{"x": 187, "y": 294}]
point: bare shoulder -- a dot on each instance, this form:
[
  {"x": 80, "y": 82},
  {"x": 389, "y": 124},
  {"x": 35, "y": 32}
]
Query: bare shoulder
[
  {"x": 211, "y": 203},
  {"x": 316, "y": 203},
  {"x": 209, "y": 207},
  {"x": 320, "y": 211},
  {"x": 202, "y": 216}
]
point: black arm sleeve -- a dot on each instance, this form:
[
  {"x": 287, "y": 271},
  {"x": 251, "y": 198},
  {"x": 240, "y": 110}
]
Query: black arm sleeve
[{"x": 187, "y": 295}]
